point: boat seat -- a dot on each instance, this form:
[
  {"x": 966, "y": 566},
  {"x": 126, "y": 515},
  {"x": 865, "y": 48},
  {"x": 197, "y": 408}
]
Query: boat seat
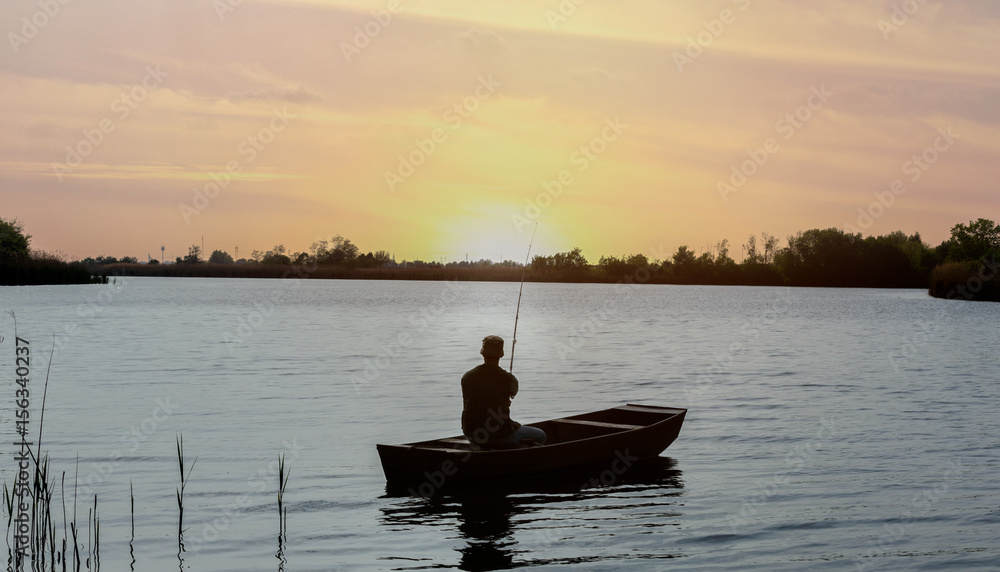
[
  {"x": 440, "y": 449},
  {"x": 649, "y": 409},
  {"x": 460, "y": 441},
  {"x": 598, "y": 424}
]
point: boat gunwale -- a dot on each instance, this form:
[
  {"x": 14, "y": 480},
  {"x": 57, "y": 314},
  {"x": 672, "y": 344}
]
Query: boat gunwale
[{"x": 424, "y": 445}]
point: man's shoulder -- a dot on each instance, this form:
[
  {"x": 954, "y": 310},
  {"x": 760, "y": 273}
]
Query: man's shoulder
[
  {"x": 486, "y": 370},
  {"x": 472, "y": 373}
]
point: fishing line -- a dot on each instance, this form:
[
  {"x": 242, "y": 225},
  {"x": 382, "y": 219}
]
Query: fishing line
[{"x": 518, "y": 313}]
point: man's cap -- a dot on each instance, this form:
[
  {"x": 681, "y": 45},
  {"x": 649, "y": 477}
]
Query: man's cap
[{"x": 492, "y": 346}]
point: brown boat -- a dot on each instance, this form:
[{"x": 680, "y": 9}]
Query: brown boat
[{"x": 615, "y": 438}]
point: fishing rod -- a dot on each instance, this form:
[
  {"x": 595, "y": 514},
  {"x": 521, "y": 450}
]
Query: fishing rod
[{"x": 518, "y": 313}]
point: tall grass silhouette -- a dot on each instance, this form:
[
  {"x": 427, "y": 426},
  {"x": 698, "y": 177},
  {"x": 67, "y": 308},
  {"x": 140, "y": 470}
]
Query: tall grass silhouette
[
  {"x": 47, "y": 550},
  {"x": 180, "y": 493}
]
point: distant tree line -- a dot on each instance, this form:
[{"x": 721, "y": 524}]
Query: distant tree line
[
  {"x": 20, "y": 265},
  {"x": 971, "y": 263},
  {"x": 818, "y": 257},
  {"x": 103, "y": 260},
  {"x": 963, "y": 266}
]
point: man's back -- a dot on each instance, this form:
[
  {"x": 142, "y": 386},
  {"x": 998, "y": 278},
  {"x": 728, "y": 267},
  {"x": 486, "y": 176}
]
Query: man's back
[{"x": 486, "y": 393}]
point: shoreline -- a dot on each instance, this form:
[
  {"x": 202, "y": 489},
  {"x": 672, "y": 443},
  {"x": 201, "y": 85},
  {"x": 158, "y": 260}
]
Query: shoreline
[
  {"x": 589, "y": 275},
  {"x": 972, "y": 281}
]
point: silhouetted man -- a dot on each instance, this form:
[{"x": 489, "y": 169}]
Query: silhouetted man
[{"x": 486, "y": 393}]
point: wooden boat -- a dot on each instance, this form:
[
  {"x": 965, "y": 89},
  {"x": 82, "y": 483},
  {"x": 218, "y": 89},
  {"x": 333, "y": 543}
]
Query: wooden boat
[{"x": 614, "y": 438}]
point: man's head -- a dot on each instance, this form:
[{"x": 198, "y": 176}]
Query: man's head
[{"x": 492, "y": 348}]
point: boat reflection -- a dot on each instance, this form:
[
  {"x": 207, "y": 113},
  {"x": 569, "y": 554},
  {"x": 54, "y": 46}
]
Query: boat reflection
[{"x": 525, "y": 523}]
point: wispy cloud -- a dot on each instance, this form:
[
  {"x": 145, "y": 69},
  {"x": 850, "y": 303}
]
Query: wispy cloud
[{"x": 297, "y": 94}]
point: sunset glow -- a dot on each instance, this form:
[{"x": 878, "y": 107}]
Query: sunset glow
[{"x": 440, "y": 130}]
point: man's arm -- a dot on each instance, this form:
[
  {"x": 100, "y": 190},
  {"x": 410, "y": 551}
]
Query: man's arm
[{"x": 513, "y": 386}]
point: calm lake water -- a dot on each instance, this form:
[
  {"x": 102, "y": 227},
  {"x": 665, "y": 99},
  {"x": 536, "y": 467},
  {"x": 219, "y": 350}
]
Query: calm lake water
[{"x": 827, "y": 429}]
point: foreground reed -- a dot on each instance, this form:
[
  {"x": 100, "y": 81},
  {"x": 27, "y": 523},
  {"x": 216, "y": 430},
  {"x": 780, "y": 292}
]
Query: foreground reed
[
  {"x": 282, "y": 483},
  {"x": 76, "y": 548},
  {"x": 282, "y": 512},
  {"x": 180, "y": 493},
  {"x": 45, "y": 550},
  {"x": 34, "y": 530},
  {"x": 29, "y": 504}
]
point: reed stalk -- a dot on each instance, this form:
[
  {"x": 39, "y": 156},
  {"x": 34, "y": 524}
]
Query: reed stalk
[
  {"x": 283, "y": 476},
  {"x": 282, "y": 483},
  {"x": 90, "y": 544},
  {"x": 180, "y": 491},
  {"x": 131, "y": 548},
  {"x": 8, "y": 501},
  {"x": 93, "y": 552},
  {"x": 72, "y": 525},
  {"x": 62, "y": 492}
]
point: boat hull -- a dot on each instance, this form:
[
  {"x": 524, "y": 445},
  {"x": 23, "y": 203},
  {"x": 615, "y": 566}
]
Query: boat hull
[{"x": 615, "y": 438}]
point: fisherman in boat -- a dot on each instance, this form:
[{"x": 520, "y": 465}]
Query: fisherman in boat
[{"x": 486, "y": 393}]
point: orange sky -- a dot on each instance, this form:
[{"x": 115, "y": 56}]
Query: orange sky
[{"x": 437, "y": 129}]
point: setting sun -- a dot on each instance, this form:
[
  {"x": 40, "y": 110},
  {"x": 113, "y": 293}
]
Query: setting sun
[{"x": 488, "y": 233}]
